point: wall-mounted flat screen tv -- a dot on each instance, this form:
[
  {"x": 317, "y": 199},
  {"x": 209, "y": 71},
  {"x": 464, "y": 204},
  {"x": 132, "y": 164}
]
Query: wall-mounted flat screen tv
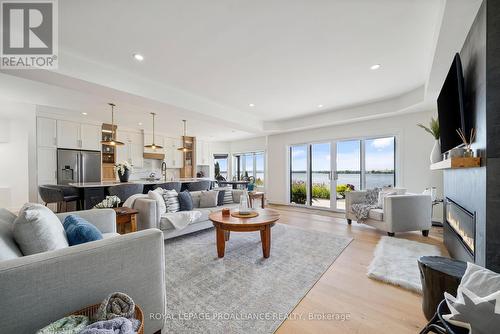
[{"x": 450, "y": 104}]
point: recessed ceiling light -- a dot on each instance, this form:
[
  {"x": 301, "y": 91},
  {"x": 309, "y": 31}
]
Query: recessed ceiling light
[
  {"x": 84, "y": 114},
  {"x": 140, "y": 123},
  {"x": 320, "y": 106},
  {"x": 138, "y": 57},
  {"x": 251, "y": 105},
  {"x": 375, "y": 67}
]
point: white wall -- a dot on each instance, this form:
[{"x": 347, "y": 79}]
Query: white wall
[
  {"x": 17, "y": 180},
  {"x": 413, "y": 147}
]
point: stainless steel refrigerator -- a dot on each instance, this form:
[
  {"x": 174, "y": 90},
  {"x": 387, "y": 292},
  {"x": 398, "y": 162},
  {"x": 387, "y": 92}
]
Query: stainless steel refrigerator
[{"x": 76, "y": 166}]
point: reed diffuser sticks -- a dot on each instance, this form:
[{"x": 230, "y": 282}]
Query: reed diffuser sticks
[{"x": 466, "y": 142}]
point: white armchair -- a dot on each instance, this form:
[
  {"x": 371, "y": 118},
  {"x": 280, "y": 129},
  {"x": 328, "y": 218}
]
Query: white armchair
[{"x": 402, "y": 212}]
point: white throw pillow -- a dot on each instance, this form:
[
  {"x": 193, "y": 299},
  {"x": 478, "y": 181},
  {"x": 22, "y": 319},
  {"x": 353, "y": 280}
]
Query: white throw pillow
[
  {"x": 382, "y": 195},
  {"x": 480, "y": 281},
  {"x": 208, "y": 199},
  {"x": 157, "y": 195},
  {"x": 171, "y": 198},
  {"x": 37, "y": 229}
]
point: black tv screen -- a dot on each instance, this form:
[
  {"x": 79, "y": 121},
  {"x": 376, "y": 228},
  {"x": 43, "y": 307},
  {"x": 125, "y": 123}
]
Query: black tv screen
[{"x": 450, "y": 105}]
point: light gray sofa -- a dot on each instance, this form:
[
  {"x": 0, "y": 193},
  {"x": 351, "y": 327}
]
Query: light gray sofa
[
  {"x": 150, "y": 216},
  {"x": 402, "y": 212},
  {"x": 41, "y": 288}
]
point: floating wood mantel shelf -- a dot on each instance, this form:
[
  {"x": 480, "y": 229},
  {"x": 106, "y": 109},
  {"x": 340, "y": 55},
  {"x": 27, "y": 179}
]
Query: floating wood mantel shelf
[{"x": 458, "y": 162}]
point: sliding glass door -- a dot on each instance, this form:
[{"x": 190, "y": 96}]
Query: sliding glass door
[
  {"x": 298, "y": 174},
  {"x": 347, "y": 170},
  {"x": 320, "y": 176},
  {"x": 322, "y": 173}
]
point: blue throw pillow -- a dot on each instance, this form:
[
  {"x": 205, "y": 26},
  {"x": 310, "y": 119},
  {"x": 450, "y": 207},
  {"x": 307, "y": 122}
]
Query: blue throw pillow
[
  {"x": 80, "y": 231},
  {"x": 185, "y": 201}
]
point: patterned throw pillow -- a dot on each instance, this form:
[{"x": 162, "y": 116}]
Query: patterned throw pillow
[
  {"x": 478, "y": 315},
  {"x": 228, "y": 196},
  {"x": 171, "y": 200}
]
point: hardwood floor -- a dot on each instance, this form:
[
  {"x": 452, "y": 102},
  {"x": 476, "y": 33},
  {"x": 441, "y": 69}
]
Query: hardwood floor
[{"x": 372, "y": 307}]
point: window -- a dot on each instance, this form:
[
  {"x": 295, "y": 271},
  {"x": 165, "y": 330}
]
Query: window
[
  {"x": 320, "y": 169},
  {"x": 250, "y": 164},
  {"x": 379, "y": 162},
  {"x": 220, "y": 165}
]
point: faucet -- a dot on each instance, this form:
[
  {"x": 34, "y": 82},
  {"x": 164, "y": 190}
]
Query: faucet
[{"x": 164, "y": 170}]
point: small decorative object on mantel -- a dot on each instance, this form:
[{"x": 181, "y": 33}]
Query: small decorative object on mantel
[
  {"x": 433, "y": 129},
  {"x": 468, "y": 153},
  {"x": 124, "y": 169}
]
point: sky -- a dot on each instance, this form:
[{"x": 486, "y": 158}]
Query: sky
[{"x": 379, "y": 155}]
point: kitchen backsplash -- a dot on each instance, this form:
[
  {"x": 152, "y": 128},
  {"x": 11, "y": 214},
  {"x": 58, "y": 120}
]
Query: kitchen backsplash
[{"x": 153, "y": 166}]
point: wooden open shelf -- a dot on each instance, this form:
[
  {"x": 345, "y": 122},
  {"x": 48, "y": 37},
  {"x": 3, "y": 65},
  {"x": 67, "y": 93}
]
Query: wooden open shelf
[{"x": 458, "y": 162}]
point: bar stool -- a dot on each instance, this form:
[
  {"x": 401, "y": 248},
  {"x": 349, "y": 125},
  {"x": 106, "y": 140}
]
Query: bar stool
[{"x": 60, "y": 194}]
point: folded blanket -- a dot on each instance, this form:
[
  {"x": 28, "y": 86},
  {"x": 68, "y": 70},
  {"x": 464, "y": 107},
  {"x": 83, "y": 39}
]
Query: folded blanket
[
  {"x": 117, "y": 304},
  {"x": 118, "y": 325},
  {"x": 72, "y": 324},
  {"x": 361, "y": 210},
  {"x": 181, "y": 219}
]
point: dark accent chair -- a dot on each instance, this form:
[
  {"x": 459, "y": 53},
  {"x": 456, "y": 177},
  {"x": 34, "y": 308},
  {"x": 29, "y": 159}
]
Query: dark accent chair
[
  {"x": 170, "y": 186},
  {"x": 199, "y": 185},
  {"x": 124, "y": 191},
  {"x": 60, "y": 194}
]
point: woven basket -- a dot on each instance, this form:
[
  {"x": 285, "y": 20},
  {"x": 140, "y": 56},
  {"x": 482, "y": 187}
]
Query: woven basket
[{"x": 89, "y": 311}]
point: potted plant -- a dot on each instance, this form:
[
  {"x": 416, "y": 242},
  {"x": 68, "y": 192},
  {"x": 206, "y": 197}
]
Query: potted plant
[
  {"x": 123, "y": 169},
  {"x": 433, "y": 129}
]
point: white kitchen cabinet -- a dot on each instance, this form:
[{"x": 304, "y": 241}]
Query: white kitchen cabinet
[
  {"x": 90, "y": 137},
  {"x": 133, "y": 149},
  {"x": 68, "y": 134},
  {"x": 202, "y": 153},
  {"x": 47, "y": 165},
  {"x": 46, "y": 132},
  {"x": 173, "y": 157}
]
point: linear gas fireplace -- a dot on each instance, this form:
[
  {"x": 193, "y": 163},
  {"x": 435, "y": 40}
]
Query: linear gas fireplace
[{"x": 459, "y": 231}]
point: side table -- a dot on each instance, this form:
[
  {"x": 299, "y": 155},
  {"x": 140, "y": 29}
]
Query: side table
[
  {"x": 438, "y": 275},
  {"x": 126, "y": 216},
  {"x": 257, "y": 194}
]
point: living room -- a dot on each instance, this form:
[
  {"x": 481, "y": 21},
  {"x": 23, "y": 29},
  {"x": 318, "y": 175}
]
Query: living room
[{"x": 144, "y": 149}]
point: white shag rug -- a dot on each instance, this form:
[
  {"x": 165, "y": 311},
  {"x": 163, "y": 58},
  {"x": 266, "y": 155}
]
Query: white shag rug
[{"x": 395, "y": 262}]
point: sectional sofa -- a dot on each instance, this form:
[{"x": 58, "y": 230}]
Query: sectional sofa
[{"x": 150, "y": 216}]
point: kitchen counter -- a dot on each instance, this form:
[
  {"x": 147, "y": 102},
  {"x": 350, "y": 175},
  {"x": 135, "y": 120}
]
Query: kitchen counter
[{"x": 92, "y": 193}]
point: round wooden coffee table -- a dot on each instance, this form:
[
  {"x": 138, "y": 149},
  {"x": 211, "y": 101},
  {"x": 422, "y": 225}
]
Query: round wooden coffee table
[{"x": 263, "y": 223}]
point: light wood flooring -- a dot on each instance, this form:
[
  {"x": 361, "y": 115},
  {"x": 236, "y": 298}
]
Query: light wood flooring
[{"x": 373, "y": 307}]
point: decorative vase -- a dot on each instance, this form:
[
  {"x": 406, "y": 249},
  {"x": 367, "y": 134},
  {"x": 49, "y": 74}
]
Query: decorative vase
[
  {"x": 244, "y": 207},
  {"x": 436, "y": 152},
  {"x": 124, "y": 177}
]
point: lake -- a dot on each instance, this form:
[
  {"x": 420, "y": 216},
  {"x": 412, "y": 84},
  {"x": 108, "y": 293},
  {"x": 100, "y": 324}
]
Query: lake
[{"x": 372, "y": 180}]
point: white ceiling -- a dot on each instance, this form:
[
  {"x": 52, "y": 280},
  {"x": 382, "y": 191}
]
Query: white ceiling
[
  {"x": 208, "y": 60},
  {"x": 284, "y": 56}
]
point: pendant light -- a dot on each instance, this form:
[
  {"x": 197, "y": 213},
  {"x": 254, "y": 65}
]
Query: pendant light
[
  {"x": 112, "y": 141},
  {"x": 184, "y": 148},
  {"x": 153, "y": 146}
]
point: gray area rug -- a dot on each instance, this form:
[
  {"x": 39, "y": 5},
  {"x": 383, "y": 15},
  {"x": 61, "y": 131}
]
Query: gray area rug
[
  {"x": 395, "y": 262},
  {"x": 243, "y": 292}
]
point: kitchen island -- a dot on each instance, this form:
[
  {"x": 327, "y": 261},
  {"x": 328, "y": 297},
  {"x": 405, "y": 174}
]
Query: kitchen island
[{"x": 92, "y": 193}]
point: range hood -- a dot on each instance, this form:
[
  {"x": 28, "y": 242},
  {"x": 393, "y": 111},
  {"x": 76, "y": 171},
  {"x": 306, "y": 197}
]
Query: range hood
[{"x": 154, "y": 156}]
